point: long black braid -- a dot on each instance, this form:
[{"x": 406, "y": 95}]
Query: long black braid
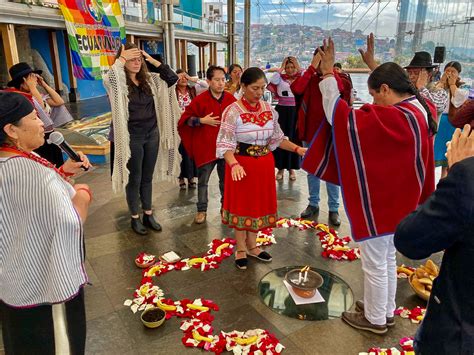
[{"x": 432, "y": 124}]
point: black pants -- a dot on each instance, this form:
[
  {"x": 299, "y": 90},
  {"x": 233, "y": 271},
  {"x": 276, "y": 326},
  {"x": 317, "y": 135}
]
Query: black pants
[
  {"x": 204, "y": 173},
  {"x": 284, "y": 159},
  {"x": 144, "y": 152},
  {"x": 31, "y": 330},
  {"x": 51, "y": 152},
  {"x": 188, "y": 168}
]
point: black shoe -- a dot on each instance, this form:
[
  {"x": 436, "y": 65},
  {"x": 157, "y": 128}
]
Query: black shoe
[
  {"x": 138, "y": 226},
  {"x": 241, "y": 263},
  {"x": 334, "y": 219},
  {"x": 149, "y": 221},
  {"x": 263, "y": 256},
  {"x": 310, "y": 211}
]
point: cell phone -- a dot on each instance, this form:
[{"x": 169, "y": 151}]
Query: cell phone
[{"x": 284, "y": 93}]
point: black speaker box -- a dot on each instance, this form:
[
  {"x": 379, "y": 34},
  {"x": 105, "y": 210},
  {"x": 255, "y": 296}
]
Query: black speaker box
[{"x": 439, "y": 54}]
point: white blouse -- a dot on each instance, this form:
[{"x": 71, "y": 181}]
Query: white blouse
[{"x": 256, "y": 128}]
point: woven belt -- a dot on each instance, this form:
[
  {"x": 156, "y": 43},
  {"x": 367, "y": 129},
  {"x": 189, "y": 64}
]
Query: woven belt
[{"x": 252, "y": 150}]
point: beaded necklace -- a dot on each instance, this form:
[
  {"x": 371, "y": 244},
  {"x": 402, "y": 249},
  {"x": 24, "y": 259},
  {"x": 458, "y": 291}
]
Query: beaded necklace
[
  {"x": 12, "y": 149},
  {"x": 249, "y": 107}
]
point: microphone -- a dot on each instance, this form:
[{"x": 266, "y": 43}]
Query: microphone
[{"x": 57, "y": 138}]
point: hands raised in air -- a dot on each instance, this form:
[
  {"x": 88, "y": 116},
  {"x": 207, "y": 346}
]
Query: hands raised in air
[{"x": 368, "y": 56}]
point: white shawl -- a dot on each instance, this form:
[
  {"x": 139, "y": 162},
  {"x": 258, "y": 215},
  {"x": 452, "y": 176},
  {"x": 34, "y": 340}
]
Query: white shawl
[{"x": 168, "y": 114}]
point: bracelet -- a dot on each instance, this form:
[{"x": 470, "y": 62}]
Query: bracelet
[
  {"x": 123, "y": 57},
  {"x": 296, "y": 149},
  {"x": 61, "y": 169},
  {"x": 327, "y": 75},
  {"x": 86, "y": 190},
  {"x": 233, "y": 164}
]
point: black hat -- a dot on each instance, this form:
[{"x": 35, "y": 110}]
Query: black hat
[
  {"x": 19, "y": 71},
  {"x": 421, "y": 60},
  {"x": 13, "y": 107}
]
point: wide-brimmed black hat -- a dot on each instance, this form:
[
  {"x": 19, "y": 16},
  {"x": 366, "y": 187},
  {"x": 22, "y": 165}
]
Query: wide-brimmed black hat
[
  {"x": 421, "y": 60},
  {"x": 19, "y": 71}
]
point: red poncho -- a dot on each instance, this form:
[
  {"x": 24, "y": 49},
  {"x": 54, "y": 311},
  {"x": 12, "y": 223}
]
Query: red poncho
[
  {"x": 382, "y": 158},
  {"x": 200, "y": 141},
  {"x": 310, "y": 110}
]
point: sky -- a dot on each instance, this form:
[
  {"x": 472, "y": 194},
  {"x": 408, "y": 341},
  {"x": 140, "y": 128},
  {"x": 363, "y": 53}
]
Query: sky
[{"x": 338, "y": 13}]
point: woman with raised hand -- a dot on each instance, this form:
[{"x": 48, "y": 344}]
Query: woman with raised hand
[
  {"x": 145, "y": 114},
  {"x": 233, "y": 84},
  {"x": 248, "y": 133},
  {"x": 458, "y": 94},
  {"x": 279, "y": 85},
  {"x": 385, "y": 167},
  {"x": 41, "y": 239}
]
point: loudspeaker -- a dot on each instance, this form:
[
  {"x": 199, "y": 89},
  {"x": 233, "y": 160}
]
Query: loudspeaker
[
  {"x": 439, "y": 54},
  {"x": 191, "y": 65}
]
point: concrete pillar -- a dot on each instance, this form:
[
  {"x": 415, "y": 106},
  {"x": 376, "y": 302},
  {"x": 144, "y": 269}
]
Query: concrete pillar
[
  {"x": 9, "y": 44},
  {"x": 231, "y": 49},
  {"x": 73, "y": 93},
  {"x": 247, "y": 33},
  {"x": 172, "y": 62}
]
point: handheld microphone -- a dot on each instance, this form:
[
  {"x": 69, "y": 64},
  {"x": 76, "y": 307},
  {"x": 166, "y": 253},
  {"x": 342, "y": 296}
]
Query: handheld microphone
[{"x": 57, "y": 138}]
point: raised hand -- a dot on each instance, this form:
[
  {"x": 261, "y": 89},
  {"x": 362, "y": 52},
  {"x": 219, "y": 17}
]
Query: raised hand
[
  {"x": 129, "y": 54},
  {"x": 149, "y": 59},
  {"x": 210, "y": 120},
  {"x": 461, "y": 145},
  {"x": 316, "y": 60},
  {"x": 31, "y": 81},
  {"x": 368, "y": 56},
  {"x": 327, "y": 57},
  {"x": 422, "y": 79}
]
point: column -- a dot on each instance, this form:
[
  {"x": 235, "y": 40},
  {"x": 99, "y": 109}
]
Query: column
[
  {"x": 73, "y": 93},
  {"x": 53, "y": 47},
  {"x": 9, "y": 44}
]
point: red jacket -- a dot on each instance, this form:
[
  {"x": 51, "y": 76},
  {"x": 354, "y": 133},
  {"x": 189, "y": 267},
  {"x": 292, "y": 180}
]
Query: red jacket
[
  {"x": 200, "y": 141},
  {"x": 311, "y": 105}
]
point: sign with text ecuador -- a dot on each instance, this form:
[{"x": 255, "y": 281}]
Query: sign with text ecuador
[{"x": 96, "y": 30}]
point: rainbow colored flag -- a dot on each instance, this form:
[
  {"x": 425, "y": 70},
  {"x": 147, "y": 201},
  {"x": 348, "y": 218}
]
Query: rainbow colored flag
[{"x": 96, "y": 30}]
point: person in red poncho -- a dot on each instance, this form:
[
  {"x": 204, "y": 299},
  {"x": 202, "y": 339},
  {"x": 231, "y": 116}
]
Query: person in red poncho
[
  {"x": 310, "y": 112},
  {"x": 382, "y": 157},
  {"x": 198, "y": 128}
]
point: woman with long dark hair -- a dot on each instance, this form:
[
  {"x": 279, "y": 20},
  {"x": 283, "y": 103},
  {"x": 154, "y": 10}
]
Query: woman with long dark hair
[
  {"x": 233, "y": 84},
  {"x": 279, "y": 85},
  {"x": 458, "y": 94},
  {"x": 382, "y": 156},
  {"x": 249, "y": 132},
  {"x": 187, "y": 89},
  {"x": 145, "y": 113}
]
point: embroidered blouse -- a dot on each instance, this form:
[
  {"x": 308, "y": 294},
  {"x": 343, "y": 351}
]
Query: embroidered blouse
[
  {"x": 256, "y": 128},
  {"x": 283, "y": 90}
]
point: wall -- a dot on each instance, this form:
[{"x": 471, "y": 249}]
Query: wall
[{"x": 39, "y": 41}]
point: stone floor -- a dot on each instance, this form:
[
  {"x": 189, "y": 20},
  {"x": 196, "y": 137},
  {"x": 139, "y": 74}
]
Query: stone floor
[{"x": 111, "y": 248}]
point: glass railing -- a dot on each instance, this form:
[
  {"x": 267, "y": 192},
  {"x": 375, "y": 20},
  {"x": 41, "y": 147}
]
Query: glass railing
[
  {"x": 44, "y": 3},
  {"x": 192, "y": 22},
  {"x": 143, "y": 11}
]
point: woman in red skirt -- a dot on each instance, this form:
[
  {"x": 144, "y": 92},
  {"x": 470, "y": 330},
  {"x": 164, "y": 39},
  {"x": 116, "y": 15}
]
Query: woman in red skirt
[{"x": 249, "y": 132}]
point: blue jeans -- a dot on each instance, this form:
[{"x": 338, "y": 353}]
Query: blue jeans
[{"x": 314, "y": 184}]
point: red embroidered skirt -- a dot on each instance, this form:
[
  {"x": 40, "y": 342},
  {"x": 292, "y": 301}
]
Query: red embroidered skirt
[{"x": 250, "y": 204}]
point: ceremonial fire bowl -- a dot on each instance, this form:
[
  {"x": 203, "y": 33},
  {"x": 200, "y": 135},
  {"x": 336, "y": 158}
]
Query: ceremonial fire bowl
[{"x": 305, "y": 289}]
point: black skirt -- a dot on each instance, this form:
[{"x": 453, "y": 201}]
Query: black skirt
[
  {"x": 31, "y": 330},
  {"x": 287, "y": 119}
]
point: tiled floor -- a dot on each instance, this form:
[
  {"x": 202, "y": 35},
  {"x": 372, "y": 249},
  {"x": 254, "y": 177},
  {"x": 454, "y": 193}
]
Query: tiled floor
[{"x": 111, "y": 247}]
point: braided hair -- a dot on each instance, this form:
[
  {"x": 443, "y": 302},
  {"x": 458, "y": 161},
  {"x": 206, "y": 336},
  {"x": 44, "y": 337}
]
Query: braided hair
[{"x": 397, "y": 79}]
